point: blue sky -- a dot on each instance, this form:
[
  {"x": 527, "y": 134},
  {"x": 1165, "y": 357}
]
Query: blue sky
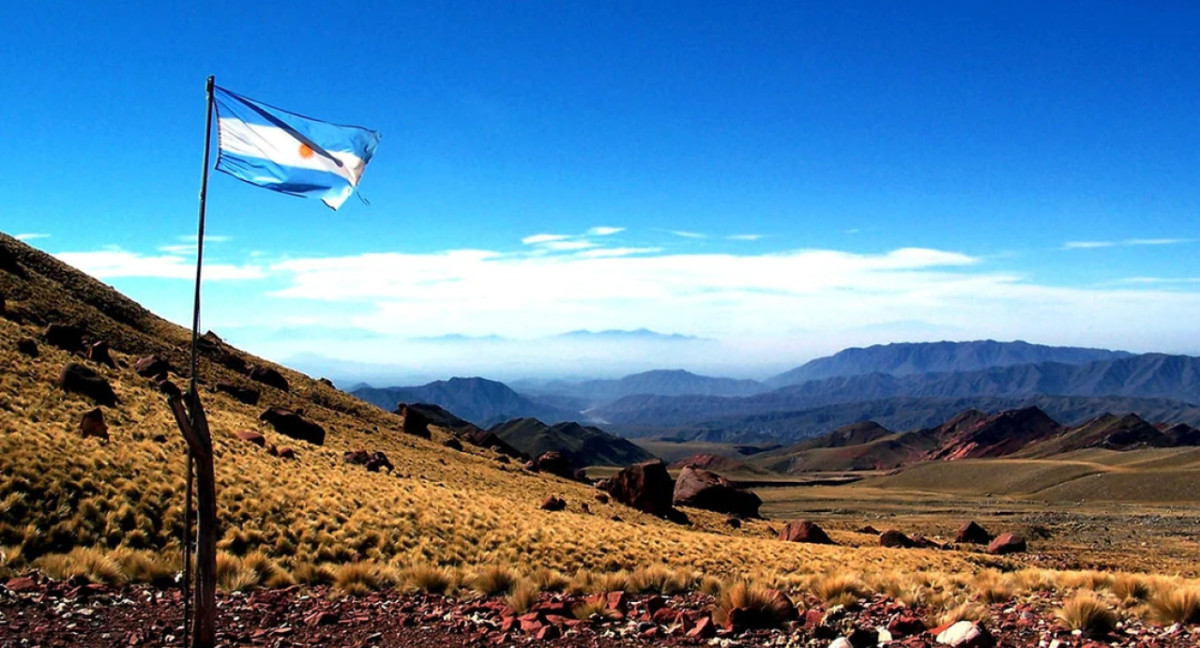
[{"x": 779, "y": 179}]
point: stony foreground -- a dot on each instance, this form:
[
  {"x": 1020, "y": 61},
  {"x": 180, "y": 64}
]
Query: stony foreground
[{"x": 37, "y": 613}]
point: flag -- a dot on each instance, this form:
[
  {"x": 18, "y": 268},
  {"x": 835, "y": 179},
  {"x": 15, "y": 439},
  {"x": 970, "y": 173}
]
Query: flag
[{"x": 290, "y": 153}]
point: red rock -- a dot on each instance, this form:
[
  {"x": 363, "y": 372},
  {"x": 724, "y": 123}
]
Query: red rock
[
  {"x": 665, "y": 616},
  {"x": 292, "y": 424},
  {"x": 903, "y": 626},
  {"x": 708, "y": 490},
  {"x": 895, "y": 539},
  {"x": 98, "y": 352},
  {"x": 92, "y": 425},
  {"x": 804, "y": 531},
  {"x": 617, "y": 601},
  {"x": 704, "y": 628},
  {"x": 321, "y": 618},
  {"x": 646, "y": 486},
  {"x": 253, "y": 437},
  {"x": 972, "y": 533},
  {"x": 21, "y": 584},
  {"x": 553, "y": 503},
  {"x": 654, "y": 604},
  {"x": 548, "y": 632},
  {"x": 1006, "y": 543}
]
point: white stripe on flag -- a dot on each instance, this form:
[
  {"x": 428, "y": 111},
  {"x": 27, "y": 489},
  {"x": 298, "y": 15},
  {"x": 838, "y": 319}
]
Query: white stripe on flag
[{"x": 277, "y": 145}]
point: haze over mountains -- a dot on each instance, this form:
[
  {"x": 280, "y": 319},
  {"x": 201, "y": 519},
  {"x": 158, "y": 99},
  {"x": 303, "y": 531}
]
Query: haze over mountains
[{"x": 902, "y": 386}]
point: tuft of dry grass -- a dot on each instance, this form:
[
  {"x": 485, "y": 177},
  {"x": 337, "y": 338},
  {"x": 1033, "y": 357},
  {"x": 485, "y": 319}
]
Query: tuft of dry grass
[
  {"x": 992, "y": 587},
  {"x": 1086, "y": 612},
  {"x": 1179, "y": 604},
  {"x": 430, "y": 578},
  {"x": 965, "y": 612},
  {"x": 550, "y": 580},
  {"x": 494, "y": 580},
  {"x": 1130, "y": 589},
  {"x": 769, "y": 608},
  {"x": 595, "y": 608},
  {"x": 524, "y": 594},
  {"x": 839, "y": 588},
  {"x": 360, "y": 578},
  {"x": 93, "y": 564}
]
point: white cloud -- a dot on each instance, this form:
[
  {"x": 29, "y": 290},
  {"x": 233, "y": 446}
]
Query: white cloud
[
  {"x": 618, "y": 252},
  {"x": 30, "y": 236},
  {"x": 604, "y": 231},
  {"x": 744, "y": 237},
  {"x": 1159, "y": 280},
  {"x": 1086, "y": 245},
  {"x": 1157, "y": 241},
  {"x": 116, "y": 263},
  {"x": 687, "y": 234},
  {"x": 567, "y": 246},
  {"x": 538, "y": 239}
]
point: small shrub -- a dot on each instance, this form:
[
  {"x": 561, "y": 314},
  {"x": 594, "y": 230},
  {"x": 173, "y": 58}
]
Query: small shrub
[
  {"x": 1179, "y": 604},
  {"x": 838, "y": 589},
  {"x": 524, "y": 594},
  {"x": 550, "y": 580},
  {"x": 594, "y": 608},
  {"x": 90, "y": 563},
  {"x": 1087, "y": 613},
  {"x": 360, "y": 578},
  {"x": 965, "y": 612},
  {"x": 428, "y": 578},
  {"x": 1130, "y": 589}
]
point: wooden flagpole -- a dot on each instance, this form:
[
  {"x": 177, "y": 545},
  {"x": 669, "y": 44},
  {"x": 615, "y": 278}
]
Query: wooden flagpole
[{"x": 196, "y": 433}]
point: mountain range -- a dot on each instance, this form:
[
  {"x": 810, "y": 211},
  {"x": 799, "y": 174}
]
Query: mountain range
[{"x": 478, "y": 400}]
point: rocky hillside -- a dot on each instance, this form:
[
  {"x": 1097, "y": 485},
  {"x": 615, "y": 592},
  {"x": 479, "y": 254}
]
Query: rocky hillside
[
  {"x": 583, "y": 446},
  {"x": 478, "y": 400}
]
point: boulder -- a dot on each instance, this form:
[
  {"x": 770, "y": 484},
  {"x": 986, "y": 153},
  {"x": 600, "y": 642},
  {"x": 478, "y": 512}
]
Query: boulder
[
  {"x": 905, "y": 625},
  {"x": 92, "y": 425},
  {"x": 247, "y": 395},
  {"x": 602, "y": 498},
  {"x": 379, "y": 461},
  {"x": 553, "y": 503},
  {"x": 82, "y": 380},
  {"x": 327, "y": 382},
  {"x": 283, "y": 453},
  {"x": 708, "y": 490},
  {"x": 1006, "y": 543},
  {"x": 150, "y": 366},
  {"x": 64, "y": 336},
  {"x": 453, "y": 444},
  {"x": 554, "y": 463},
  {"x": 358, "y": 457},
  {"x": 645, "y": 486},
  {"x": 28, "y": 346},
  {"x": 253, "y": 437},
  {"x": 966, "y": 634},
  {"x": 733, "y": 523},
  {"x": 972, "y": 533},
  {"x": 805, "y": 531},
  {"x": 214, "y": 348},
  {"x": 415, "y": 422},
  {"x": 778, "y": 609},
  {"x": 868, "y": 529},
  {"x": 268, "y": 376},
  {"x": 98, "y": 353},
  {"x": 896, "y": 540},
  {"x": 291, "y": 424}
]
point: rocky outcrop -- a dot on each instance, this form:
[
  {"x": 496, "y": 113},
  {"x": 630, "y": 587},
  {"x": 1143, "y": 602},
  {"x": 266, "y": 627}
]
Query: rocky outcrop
[
  {"x": 708, "y": 490},
  {"x": 895, "y": 539},
  {"x": 247, "y": 395},
  {"x": 92, "y": 425},
  {"x": 64, "y": 336},
  {"x": 805, "y": 531},
  {"x": 82, "y": 380},
  {"x": 1006, "y": 543},
  {"x": 415, "y": 422},
  {"x": 555, "y": 464},
  {"x": 646, "y": 486},
  {"x": 291, "y": 424},
  {"x": 268, "y": 376},
  {"x": 972, "y": 533},
  {"x": 150, "y": 366}
]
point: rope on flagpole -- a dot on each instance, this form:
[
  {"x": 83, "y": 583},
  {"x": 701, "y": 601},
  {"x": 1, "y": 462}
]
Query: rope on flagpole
[{"x": 187, "y": 532}]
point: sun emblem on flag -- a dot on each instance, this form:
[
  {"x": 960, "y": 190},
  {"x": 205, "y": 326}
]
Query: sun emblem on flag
[{"x": 305, "y": 151}]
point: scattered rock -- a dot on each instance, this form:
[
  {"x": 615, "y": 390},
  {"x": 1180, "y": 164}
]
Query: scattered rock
[
  {"x": 453, "y": 444},
  {"x": 415, "y": 422},
  {"x": 646, "y": 486},
  {"x": 972, "y": 533},
  {"x": 863, "y": 638},
  {"x": 98, "y": 353},
  {"x": 733, "y": 523},
  {"x": 602, "y": 498},
  {"x": 283, "y": 453},
  {"x": 159, "y": 438},
  {"x": 92, "y": 425},
  {"x": 379, "y": 461},
  {"x": 966, "y": 634},
  {"x": 707, "y": 490},
  {"x": 805, "y": 531},
  {"x": 893, "y": 538},
  {"x": 64, "y": 336},
  {"x": 870, "y": 530},
  {"x": 327, "y": 382},
  {"x": 247, "y": 395},
  {"x": 253, "y": 437},
  {"x": 553, "y": 503},
  {"x": 268, "y": 376},
  {"x": 906, "y": 625},
  {"x": 358, "y": 457},
  {"x": 291, "y": 424},
  {"x": 150, "y": 366},
  {"x": 213, "y": 347},
  {"x": 841, "y": 642},
  {"x": 28, "y": 346},
  {"x": 554, "y": 463},
  {"x": 1006, "y": 543},
  {"x": 82, "y": 380}
]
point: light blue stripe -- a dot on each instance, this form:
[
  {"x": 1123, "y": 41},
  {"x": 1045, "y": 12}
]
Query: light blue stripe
[
  {"x": 284, "y": 179},
  {"x": 332, "y": 137}
]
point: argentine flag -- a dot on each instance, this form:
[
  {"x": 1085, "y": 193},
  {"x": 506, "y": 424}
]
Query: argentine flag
[{"x": 289, "y": 153}]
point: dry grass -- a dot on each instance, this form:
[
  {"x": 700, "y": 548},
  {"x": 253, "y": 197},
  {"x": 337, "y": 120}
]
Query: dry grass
[
  {"x": 494, "y": 580},
  {"x": 965, "y": 612},
  {"x": 524, "y": 594},
  {"x": 1178, "y": 604},
  {"x": 360, "y": 578},
  {"x": 428, "y": 578},
  {"x": 769, "y": 608},
  {"x": 1087, "y": 612},
  {"x": 594, "y": 609},
  {"x": 840, "y": 588}
]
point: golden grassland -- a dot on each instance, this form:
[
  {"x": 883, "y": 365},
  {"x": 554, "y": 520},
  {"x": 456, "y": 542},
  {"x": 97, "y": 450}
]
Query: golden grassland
[{"x": 444, "y": 521}]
